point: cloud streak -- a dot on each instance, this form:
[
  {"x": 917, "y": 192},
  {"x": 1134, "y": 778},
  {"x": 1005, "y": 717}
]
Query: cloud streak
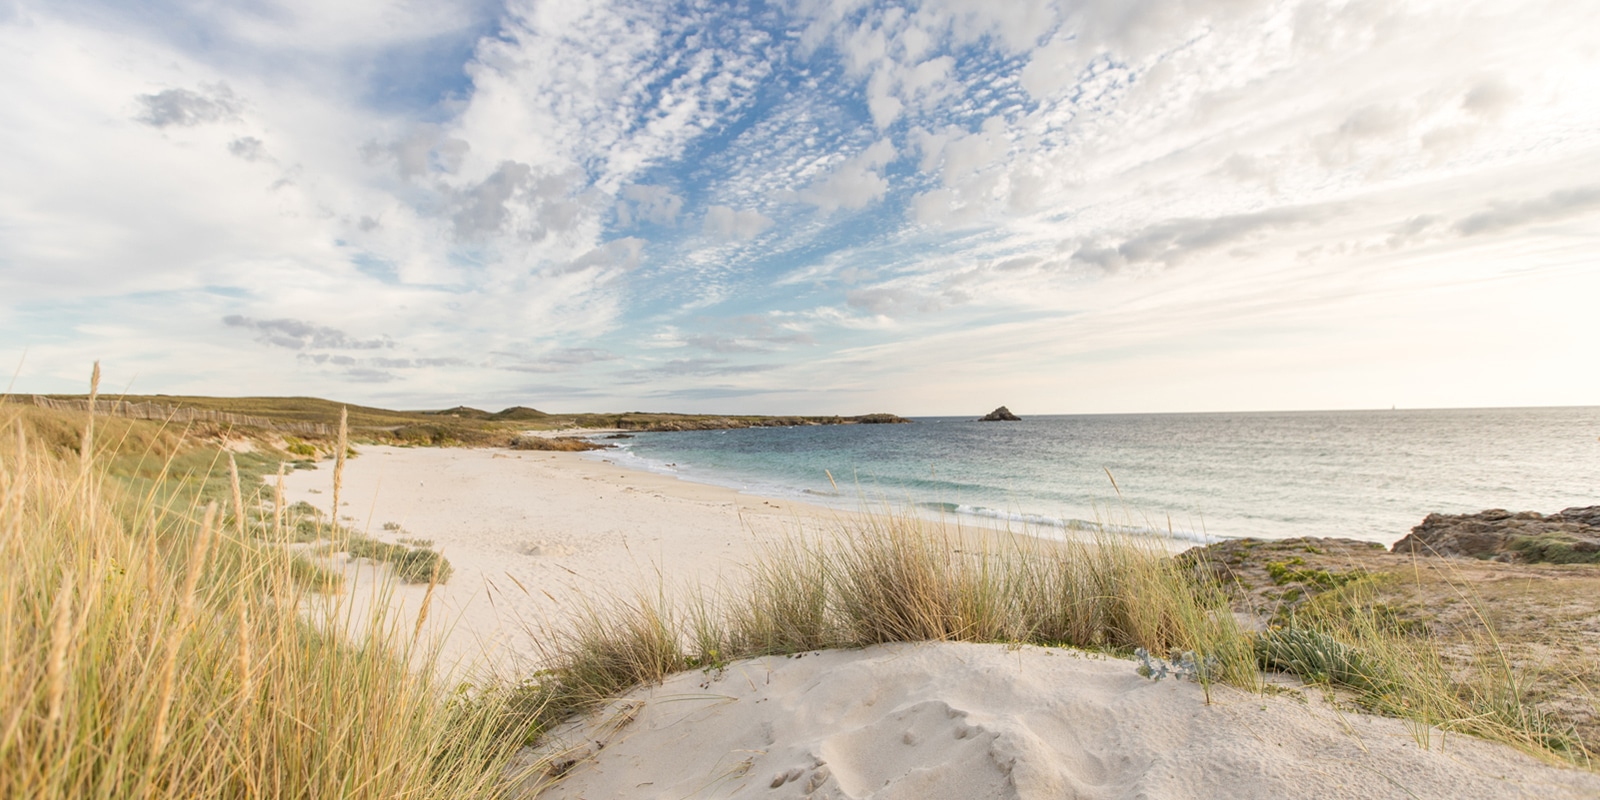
[
  {"x": 297, "y": 334},
  {"x": 187, "y": 108}
]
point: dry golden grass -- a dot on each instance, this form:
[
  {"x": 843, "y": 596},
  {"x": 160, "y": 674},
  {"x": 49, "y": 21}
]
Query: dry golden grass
[
  {"x": 147, "y": 649},
  {"x": 891, "y": 578}
]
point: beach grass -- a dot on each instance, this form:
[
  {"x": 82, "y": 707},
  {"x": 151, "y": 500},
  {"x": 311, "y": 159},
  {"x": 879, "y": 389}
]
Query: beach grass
[
  {"x": 899, "y": 578},
  {"x": 155, "y": 641},
  {"x": 1347, "y": 637},
  {"x": 894, "y": 578}
]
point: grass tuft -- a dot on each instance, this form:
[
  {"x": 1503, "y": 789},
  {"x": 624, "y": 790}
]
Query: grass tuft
[{"x": 891, "y": 579}]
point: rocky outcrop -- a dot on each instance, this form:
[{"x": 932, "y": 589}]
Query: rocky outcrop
[
  {"x": 562, "y": 444},
  {"x": 876, "y": 419},
  {"x": 1001, "y": 414},
  {"x": 1571, "y": 536}
]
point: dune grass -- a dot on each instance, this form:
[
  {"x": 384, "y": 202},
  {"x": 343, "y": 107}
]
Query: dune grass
[
  {"x": 1347, "y": 638},
  {"x": 892, "y": 578},
  {"x": 155, "y": 643}
]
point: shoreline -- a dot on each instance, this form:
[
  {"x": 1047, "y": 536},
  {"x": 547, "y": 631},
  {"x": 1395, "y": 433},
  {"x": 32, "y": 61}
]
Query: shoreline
[
  {"x": 533, "y": 534},
  {"x": 979, "y": 518}
]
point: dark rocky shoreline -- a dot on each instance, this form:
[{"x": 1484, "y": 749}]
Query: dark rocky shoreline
[{"x": 1569, "y": 536}]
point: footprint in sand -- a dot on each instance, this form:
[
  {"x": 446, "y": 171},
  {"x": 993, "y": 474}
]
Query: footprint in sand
[{"x": 548, "y": 549}]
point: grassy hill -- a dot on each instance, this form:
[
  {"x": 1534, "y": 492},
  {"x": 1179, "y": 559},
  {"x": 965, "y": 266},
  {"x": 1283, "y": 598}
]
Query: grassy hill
[{"x": 461, "y": 425}]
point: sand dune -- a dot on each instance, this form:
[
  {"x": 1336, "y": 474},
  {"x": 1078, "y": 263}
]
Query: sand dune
[{"x": 987, "y": 721}]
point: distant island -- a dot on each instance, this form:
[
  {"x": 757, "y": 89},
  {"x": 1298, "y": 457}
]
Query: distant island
[{"x": 1001, "y": 414}]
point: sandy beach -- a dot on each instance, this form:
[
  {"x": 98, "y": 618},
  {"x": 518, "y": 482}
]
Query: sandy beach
[{"x": 530, "y": 533}]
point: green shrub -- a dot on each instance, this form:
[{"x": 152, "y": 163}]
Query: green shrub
[
  {"x": 296, "y": 447},
  {"x": 1318, "y": 658},
  {"x": 412, "y": 565},
  {"x": 1553, "y": 548},
  {"x": 1283, "y": 572}
]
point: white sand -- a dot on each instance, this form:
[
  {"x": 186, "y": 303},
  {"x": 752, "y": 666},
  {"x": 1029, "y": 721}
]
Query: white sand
[
  {"x": 947, "y": 720},
  {"x": 528, "y": 531}
]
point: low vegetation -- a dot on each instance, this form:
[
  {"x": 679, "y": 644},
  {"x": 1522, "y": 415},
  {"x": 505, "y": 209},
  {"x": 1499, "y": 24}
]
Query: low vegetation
[
  {"x": 1513, "y": 643},
  {"x": 459, "y": 426},
  {"x": 903, "y": 579},
  {"x": 154, "y": 640},
  {"x": 1553, "y": 549},
  {"x": 411, "y": 563}
]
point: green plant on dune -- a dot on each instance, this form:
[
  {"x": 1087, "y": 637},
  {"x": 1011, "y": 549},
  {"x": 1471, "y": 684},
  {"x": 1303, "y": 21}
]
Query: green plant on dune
[
  {"x": 417, "y": 564},
  {"x": 1345, "y": 638},
  {"x": 1554, "y": 549}
]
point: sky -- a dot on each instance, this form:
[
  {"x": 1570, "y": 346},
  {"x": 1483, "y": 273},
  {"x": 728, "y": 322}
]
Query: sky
[{"x": 817, "y": 206}]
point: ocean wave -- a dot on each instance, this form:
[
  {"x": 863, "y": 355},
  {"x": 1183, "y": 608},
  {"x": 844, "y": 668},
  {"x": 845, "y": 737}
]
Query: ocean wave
[
  {"x": 622, "y": 454},
  {"x": 1068, "y": 523}
]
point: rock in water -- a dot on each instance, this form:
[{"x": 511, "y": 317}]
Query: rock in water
[
  {"x": 1001, "y": 414},
  {"x": 1571, "y": 536}
]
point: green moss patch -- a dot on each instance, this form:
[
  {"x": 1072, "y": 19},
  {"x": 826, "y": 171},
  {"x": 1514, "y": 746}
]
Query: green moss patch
[{"x": 1554, "y": 548}]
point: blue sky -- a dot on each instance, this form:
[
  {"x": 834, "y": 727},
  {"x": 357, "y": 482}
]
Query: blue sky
[{"x": 824, "y": 206}]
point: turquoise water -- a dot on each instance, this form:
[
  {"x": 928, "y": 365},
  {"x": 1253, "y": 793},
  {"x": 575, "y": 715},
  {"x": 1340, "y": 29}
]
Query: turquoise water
[{"x": 1360, "y": 474}]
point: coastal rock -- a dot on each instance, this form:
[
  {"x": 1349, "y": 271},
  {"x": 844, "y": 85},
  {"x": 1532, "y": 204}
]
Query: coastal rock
[
  {"x": 564, "y": 444},
  {"x": 1269, "y": 580},
  {"x": 1001, "y": 414},
  {"x": 1570, "y": 536},
  {"x": 879, "y": 419}
]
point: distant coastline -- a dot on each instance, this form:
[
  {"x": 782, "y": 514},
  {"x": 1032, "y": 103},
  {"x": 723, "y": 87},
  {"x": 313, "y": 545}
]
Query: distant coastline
[{"x": 318, "y": 419}]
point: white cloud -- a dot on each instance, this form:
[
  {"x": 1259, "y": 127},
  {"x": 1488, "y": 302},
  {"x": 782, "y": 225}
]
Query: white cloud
[
  {"x": 425, "y": 150},
  {"x": 297, "y": 334},
  {"x": 726, "y": 223},
  {"x": 1557, "y": 205},
  {"x": 645, "y": 203},
  {"x": 483, "y": 207},
  {"x": 618, "y": 255},
  {"x": 1017, "y": 24},
  {"x": 1490, "y": 98},
  {"x": 184, "y": 107},
  {"x": 855, "y": 182},
  {"x": 881, "y": 102}
]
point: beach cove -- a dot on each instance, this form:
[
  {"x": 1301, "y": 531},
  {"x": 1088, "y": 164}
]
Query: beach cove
[
  {"x": 530, "y": 532},
  {"x": 534, "y": 535}
]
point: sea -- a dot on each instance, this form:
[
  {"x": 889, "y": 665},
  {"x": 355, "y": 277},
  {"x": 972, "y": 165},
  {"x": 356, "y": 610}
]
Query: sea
[{"x": 1368, "y": 475}]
